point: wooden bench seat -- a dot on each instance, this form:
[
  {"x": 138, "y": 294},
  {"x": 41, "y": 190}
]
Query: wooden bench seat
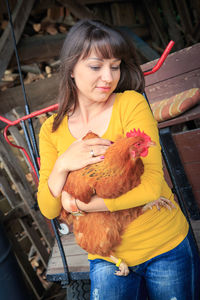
[{"x": 76, "y": 260}]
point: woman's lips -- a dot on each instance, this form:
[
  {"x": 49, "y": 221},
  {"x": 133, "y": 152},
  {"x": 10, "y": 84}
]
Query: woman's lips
[{"x": 104, "y": 88}]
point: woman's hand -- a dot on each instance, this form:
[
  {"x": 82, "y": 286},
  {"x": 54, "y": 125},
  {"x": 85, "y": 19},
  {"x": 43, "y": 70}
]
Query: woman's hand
[
  {"x": 96, "y": 204},
  {"x": 82, "y": 153},
  {"x": 78, "y": 155},
  {"x": 66, "y": 201}
]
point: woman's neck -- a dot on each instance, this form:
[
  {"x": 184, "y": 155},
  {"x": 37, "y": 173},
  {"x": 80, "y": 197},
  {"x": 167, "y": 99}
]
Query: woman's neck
[
  {"x": 86, "y": 111},
  {"x": 91, "y": 117}
]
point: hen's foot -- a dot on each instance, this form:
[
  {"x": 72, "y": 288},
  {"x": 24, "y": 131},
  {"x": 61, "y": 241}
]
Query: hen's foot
[
  {"x": 123, "y": 267},
  {"x": 159, "y": 203}
]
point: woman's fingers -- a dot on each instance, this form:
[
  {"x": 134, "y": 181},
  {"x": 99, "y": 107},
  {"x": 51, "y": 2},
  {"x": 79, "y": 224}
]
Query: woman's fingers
[
  {"x": 97, "y": 141},
  {"x": 97, "y": 150},
  {"x": 84, "y": 152}
]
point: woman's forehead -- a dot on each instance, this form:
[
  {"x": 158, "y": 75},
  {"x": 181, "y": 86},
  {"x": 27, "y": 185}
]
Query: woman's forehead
[
  {"x": 100, "y": 50},
  {"x": 94, "y": 55}
]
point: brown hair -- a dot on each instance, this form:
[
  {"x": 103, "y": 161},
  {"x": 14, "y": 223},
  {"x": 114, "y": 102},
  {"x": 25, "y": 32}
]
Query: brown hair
[{"x": 108, "y": 42}]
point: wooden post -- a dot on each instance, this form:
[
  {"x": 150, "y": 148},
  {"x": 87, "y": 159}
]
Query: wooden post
[{"x": 19, "y": 18}]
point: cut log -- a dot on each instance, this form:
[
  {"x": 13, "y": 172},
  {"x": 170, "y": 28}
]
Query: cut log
[{"x": 19, "y": 18}]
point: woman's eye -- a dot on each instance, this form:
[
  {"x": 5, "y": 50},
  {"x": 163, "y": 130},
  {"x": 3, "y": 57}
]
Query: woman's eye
[
  {"x": 115, "y": 68},
  {"x": 95, "y": 68}
]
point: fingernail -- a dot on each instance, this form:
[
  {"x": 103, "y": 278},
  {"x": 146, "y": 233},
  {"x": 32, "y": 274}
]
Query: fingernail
[{"x": 102, "y": 157}]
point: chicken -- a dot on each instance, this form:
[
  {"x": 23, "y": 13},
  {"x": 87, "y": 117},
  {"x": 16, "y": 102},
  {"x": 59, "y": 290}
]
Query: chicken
[{"x": 120, "y": 171}]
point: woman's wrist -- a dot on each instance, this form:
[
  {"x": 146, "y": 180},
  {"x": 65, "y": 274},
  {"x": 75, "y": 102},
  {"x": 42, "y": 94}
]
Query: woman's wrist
[
  {"x": 96, "y": 204},
  {"x": 61, "y": 165},
  {"x": 74, "y": 209}
]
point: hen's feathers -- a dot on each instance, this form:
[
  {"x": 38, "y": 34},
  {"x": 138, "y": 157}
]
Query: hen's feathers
[
  {"x": 100, "y": 232},
  {"x": 118, "y": 172}
]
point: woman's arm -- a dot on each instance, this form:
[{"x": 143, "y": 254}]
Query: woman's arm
[
  {"x": 49, "y": 205},
  {"x": 135, "y": 113},
  {"x": 54, "y": 169}
]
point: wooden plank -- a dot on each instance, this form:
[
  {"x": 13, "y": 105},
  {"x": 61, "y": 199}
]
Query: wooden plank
[
  {"x": 193, "y": 173},
  {"x": 169, "y": 87},
  {"x": 177, "y": 63},
  {"x": 142, "y": 47},
  {"x": 13, "y": 169},
  {"x": 196, "y": 228},
  {"x": 35, "y": 240},
  {"x": 38, "y": 48},
  {"x": 19, "y": 18},
  {"x": 8, "y": 192},
  {"x": 155, "y": 21},
  {"x": 197, "y": 197},
  {"x": 29, "y": 274},
  {"x": 18, "y": 138},
  {"x": 188, "y": 145},
  {"x": 41, "y": 93},
  {"x": 77, "y": 258},
  {"x": 123, "y": 14},
  {"x": 171, "y": 20},
  {"x": 185, "y": 18},
  {"x": 78, "y": 10}
]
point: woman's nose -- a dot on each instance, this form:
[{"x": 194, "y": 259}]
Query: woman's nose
[{"x": 107, "y": 75}]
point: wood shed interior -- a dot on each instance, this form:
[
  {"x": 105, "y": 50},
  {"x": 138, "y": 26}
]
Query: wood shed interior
[{"x": 40, "y": 28}]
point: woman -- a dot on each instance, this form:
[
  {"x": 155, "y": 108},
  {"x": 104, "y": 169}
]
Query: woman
[{"x": 99, "y": 91}]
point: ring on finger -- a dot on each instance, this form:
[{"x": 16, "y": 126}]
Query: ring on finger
[{"x": 92, "y": 153}]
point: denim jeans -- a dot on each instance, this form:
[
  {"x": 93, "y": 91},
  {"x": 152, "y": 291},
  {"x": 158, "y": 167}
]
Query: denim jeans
[{"x": 174, "y": 275}]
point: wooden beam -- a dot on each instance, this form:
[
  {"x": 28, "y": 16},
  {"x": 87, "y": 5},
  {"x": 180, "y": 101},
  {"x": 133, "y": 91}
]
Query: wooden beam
[
  {"x": 155, "y": 21},
  {"x": 38, "y": 48},
  {"x": 170, "y": 17},
  {"x": 40, "y": 94},
  {"x": 143, "y": 48},
  {"x": 186, "y": 23},
  {"x": 78, "y": 10},
  {"x": 19, "y": 18}
]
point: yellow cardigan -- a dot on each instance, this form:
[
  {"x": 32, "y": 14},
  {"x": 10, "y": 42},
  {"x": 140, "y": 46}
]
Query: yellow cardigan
[{"x": 154, "y": 232}]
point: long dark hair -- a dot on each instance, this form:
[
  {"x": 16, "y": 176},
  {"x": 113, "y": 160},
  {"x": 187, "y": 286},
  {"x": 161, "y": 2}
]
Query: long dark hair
[{"x": 87, "y": 35}]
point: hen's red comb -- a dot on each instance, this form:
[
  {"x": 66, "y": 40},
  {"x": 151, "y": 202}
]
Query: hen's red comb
[{"x": 134, "y": 133}]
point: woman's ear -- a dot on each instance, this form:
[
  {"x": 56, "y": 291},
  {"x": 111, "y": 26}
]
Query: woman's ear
[{"x": 72, "y": 75}]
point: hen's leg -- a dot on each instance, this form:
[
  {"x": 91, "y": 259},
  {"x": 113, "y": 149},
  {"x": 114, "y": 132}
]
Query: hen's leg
[
  {"x": 123, "y": 267},
  {"x": 161, "y": 202}
]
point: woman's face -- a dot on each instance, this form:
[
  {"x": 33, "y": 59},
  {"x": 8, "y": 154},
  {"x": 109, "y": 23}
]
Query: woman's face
[{"x": 96, "y": 78}]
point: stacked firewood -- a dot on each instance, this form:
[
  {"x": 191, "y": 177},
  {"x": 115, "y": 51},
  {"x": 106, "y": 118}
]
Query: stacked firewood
[{"x": 53, "y": 21}]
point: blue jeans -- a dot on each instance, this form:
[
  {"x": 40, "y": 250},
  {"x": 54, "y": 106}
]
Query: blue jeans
[{"x": 174, "y": 275}]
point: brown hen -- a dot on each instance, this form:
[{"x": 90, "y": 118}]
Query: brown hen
[{"x": 120, "y": 171}]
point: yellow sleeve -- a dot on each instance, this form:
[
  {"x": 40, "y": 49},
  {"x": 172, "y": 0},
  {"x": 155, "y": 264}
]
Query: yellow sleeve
[
  {"x": 49, "y": 206},
  {"x": 135, "y": 113}
]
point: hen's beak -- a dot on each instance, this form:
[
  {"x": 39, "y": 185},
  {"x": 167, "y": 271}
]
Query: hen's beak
[{"x": 151, "y": 143}]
